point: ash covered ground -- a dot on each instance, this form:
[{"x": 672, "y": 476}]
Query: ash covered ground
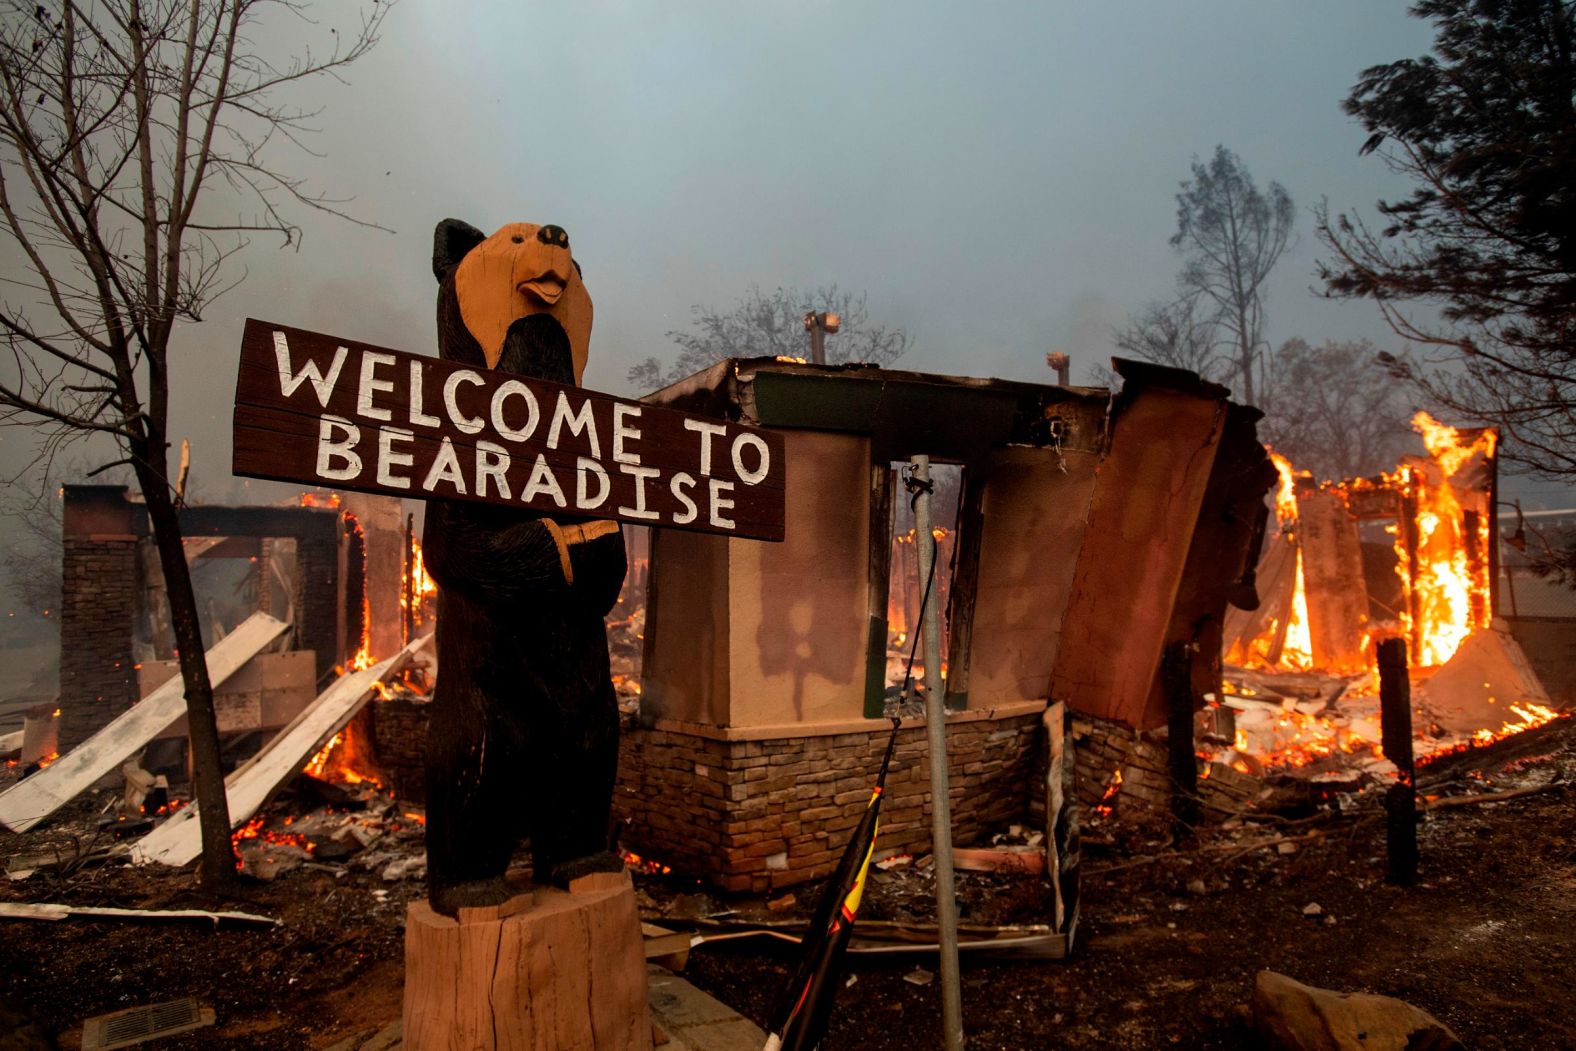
[{"x": 1170, "y": 935}]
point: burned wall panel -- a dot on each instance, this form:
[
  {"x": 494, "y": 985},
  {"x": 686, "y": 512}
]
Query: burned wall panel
[
  {"x": 1218, "y": 586},
  {"x": 1332, "y": 565},
  {"x": 1033, "y": 524},
  {"x": 1146, "y": 503},
  {"x": 684, "y": 674},
  {"x": 797, "y": 651}
]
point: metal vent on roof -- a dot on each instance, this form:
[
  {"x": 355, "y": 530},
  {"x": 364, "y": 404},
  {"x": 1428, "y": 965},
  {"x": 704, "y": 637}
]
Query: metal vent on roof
[{"x": 136, "y": 1024}]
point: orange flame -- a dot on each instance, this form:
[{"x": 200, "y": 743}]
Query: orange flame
[
  {"x": 1295, "y": 639},
  {"x": 417, "y": 584},
  {"x": 363, "y": 657},
  {"x": 341, "y": 762},
  {"x": 1107, "y": 805},
  {"x": 1450, "y": 595}
]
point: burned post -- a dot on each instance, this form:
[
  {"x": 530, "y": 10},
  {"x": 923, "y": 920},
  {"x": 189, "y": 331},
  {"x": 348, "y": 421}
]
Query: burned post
[
  {"x": 1176, "y": 676},
  {"x": 1395, "y": 699}
]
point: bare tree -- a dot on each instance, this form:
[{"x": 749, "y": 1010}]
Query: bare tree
[
  {"x": 140, "y": 138},
  {"x": 1178, "y": 334},
  {"x": 1337, "y": 411},
  {"x": 771, "y": 324},
  {"x": 1231, "y": 236}
]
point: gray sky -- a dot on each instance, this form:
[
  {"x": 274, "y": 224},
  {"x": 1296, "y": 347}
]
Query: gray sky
[{"x": 999, "y": 178}]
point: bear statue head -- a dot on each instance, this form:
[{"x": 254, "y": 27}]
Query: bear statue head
[{"x": 513, "y": 301}]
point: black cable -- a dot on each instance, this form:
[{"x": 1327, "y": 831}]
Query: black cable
[{"x": 916, "y": 487}]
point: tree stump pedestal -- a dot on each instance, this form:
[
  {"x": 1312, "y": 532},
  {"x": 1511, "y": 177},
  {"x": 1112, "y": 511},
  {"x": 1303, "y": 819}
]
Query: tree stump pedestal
[{"x": 547, "y": 969}]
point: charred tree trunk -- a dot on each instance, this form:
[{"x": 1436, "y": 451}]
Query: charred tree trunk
[{"x": 213, "y": 813}]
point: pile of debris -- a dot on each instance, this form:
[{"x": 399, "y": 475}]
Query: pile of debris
[{"x": 334, "y": 827}]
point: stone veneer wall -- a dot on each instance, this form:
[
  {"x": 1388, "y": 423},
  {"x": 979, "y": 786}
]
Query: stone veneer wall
[
  {"x": 753, "y": 815},
  {"x": 1102, "y": 747},
  {"x": 99, "y": 583}
]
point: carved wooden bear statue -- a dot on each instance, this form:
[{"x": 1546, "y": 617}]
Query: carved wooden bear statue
[{"x": 523, "y": 738}]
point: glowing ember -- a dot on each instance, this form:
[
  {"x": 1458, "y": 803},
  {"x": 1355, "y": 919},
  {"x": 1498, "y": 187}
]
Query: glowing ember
[
  {"x": 255, "y": 830},
  {"x": 1107, "y": 805},
  {"x": 1529, "y": 716},
  {"x": 635, "y": 863}
]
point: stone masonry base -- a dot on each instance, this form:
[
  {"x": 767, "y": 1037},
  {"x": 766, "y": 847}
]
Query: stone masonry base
[{"x": 752, "y": 815}]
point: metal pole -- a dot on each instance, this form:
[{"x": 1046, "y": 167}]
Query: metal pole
[{"x": 940, "y": 800}]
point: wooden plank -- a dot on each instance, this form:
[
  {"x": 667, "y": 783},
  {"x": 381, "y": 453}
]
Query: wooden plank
[
  {"x": 1062, "y": 844},
  {"x": 16, "y": 910},
  {"x": 179, "y": 840},
  {"x": 320, "y": 410},
  {"x": 31, "y": 800},
  {"x": 1333, "y": 581},
  {"x": 266, "y": 693}
]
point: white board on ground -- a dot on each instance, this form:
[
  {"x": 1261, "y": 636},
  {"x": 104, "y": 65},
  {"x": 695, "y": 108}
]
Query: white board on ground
[
  {"x": 34, "y": 798},
  {"x": 179, "y": 840}
]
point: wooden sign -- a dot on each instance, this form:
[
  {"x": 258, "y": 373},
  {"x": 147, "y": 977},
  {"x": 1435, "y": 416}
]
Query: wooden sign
[{"x": 326, "y": 411}]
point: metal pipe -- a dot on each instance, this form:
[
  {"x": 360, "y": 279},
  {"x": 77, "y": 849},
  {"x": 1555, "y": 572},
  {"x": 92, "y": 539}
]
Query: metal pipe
[{"x": 940, "y": 799}]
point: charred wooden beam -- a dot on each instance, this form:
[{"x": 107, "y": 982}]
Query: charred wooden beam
[
  {"x": 965, "y": 588},
  {"x": 1176, "y": 676},
  {"x": 878, "y": 568},
  {"x": 1413, "y": 543},
  {"x": 1395, "y": 705}
]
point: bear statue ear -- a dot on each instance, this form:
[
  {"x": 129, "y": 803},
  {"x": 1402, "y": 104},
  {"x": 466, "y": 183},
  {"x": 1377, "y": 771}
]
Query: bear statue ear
[{"x": 450, "y": 243}]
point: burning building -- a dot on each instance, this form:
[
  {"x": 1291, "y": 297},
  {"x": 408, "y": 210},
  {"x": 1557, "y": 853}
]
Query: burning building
[
  {"x": 1090, "y": 533},
  {"x": 329, "y": 567},
  {"x": 1413, "y": 554}
]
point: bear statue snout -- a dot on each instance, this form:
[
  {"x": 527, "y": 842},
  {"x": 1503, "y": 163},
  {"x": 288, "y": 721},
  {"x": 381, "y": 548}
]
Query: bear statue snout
[{"x": 546, "y": 287}]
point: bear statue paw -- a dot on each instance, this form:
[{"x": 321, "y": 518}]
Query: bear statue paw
[
  {"x": 563, "y": 872},
  {"x": 477, "y": 894}
]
